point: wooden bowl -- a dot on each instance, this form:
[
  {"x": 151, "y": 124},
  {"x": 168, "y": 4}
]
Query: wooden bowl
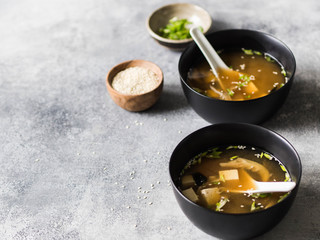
[
  {"x": 160, "y": 18},
  {"x": 139, "y": 102}
]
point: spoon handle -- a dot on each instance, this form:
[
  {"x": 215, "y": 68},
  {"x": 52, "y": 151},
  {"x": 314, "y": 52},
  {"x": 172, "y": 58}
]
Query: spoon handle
[
  {"x": 212, "y": 57},
  {"x": 208, "y": 51},
  {"x": 265, "y": 187}
]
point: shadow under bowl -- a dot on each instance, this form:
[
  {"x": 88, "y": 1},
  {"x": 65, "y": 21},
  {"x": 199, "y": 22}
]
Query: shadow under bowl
[
  {"x": 250, "y": 111},
  {"x": 234, "y": 226},
  {"x": 137, "y": 102}
]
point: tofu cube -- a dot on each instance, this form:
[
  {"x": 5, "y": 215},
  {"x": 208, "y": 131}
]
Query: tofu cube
[
  {"x": 187, "y": 181},
  {"x": 190, "y": 194},
  {"x": 228, "y": 175},
  {"x": 211, "y": 196},
  {"x": 250, "y": 88}
]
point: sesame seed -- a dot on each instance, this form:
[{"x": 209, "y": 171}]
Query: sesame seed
[
  {"x": 169, "y": 228},
  {"x": 150, "y": 203},
  {"x": 158, "y": 182},
  {"x": 127, "y": 127},
  {"x": 165, "y": 119}
]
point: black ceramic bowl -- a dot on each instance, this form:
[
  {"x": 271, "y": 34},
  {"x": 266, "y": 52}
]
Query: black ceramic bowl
[
  {"x": 234, "y": 226},
  {"x": 250, "y": 111}
]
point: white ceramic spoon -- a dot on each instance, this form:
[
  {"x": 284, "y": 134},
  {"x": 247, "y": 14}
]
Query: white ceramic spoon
[
  {"x": 264, "y": 187},
  {"x": 212, "y": 57},
  {"x": 216, "y": 63}
]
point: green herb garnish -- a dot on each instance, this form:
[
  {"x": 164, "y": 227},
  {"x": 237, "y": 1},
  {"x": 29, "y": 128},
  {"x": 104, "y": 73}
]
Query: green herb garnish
[
  {"x": 247, "y": 51},
  {"x": 245, "y": 80},
  {"x": 260, "y": 195},
  {"x": 234, "y": 157},
  {"x": 268, "y": 58},
  {"x": 213, "y": 153},
  {"x": 283, "y": 197},
  {"x": 267, "y": 156},
  {"x": 176, "y": 29},
  {"x": 231, "y": 147},
  {"x": 219, "y": 205},
  {"x": 283, "y": 72},
  {"x": 230, "y": 92},
  {"x": 253, "y": 207},
  {"x": 283, "y": 168}
]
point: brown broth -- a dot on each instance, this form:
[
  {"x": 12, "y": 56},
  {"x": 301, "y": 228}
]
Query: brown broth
[
  {"x": 260, "y": 74},
  {"x": 206, "y": 167}
]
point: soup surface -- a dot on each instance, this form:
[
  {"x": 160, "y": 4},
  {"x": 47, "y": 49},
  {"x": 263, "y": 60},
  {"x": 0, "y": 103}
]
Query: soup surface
[
  {"x": 256, "y": 75},
  {"x": 212, "y": 178}
]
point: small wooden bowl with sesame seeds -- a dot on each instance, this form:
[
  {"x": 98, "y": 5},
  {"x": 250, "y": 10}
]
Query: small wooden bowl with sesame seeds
[{"x": 135, "y": 85}]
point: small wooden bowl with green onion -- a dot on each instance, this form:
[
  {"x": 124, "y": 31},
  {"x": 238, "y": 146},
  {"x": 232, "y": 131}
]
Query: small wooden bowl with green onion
[{"x": 163, "y": 23}]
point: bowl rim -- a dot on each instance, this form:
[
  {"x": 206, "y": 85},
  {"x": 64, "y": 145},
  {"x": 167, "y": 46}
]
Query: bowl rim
[
  {"x": 243, "y": 125},
  {"x": 172, "y": 41},
  {"x": 241, "y": 30},
  {"x": 126, "y": 63}
]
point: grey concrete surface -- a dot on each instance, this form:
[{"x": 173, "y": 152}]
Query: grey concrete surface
[{"x": 76, "y": 166}]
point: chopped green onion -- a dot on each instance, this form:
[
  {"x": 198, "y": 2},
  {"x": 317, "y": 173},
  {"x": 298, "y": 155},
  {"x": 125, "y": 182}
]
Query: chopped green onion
[
  {"x": 222, "y": 178},
  {"x": 247, "y": 51},
  {"x": 268, "y": 58},
  {"x": 231, "y": 147},
  {"x": 283, "y": 197},
  {"x": 283, "y": 72},
  {"x": 176, "y": 29},
  {"x": 261, "y": 155},
  {"x": 287, "y": 179},
  {"x": 257, "y": 52},
  {"x": 220, "y": 205},
  {"x": 245, "y": 78},
  {"x": 230, "y": 92},
  {"x": 213, "y": 153},
  {"x": 267, "y": 156},
  {"x": 260, "y": 195},
  {"x": 234, "y": 157},
  {"x": 283, "y": 168},
  {"x": 253, "y": 207}
]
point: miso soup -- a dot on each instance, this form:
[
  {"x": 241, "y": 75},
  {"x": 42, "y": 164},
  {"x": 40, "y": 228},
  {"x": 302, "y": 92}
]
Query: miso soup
[
  {"x": 212, "y": 178},
  {"x": 259, "y": 74}
]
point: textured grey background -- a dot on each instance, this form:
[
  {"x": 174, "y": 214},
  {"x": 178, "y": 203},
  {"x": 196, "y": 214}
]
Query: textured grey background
[{"x": 72, "y": 162}]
